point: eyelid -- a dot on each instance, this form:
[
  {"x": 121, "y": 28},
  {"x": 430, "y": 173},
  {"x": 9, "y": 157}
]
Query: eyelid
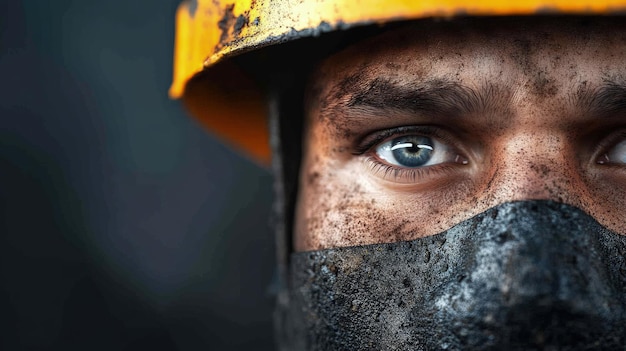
[{"x": 375, "y": 138}]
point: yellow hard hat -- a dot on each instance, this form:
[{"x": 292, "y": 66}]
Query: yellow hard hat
[{"x": 209, "y": 32}]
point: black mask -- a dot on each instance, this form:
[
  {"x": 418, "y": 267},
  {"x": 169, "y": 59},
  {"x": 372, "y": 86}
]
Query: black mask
[{"x": 532, "y": 275}]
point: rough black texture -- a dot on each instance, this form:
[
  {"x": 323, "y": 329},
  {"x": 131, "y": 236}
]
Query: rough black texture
[{"x": 533, "y": 275}]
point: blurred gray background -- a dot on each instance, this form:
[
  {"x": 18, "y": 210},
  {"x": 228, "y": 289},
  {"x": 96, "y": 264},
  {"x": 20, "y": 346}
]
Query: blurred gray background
[{"x": 123, "y": 225}]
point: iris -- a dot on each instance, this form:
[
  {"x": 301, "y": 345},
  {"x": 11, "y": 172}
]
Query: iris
[{"x": 412, "y": 151}]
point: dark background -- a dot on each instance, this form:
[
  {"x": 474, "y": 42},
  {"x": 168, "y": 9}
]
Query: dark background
[{"x": 123, "y": 224}]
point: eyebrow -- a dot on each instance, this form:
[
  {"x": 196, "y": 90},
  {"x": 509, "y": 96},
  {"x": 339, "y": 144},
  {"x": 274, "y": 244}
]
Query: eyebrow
[
  {"x": 437, "y": 96},
  {"x": 607, "y": 100},
  {"x": 444, "y": 97}
]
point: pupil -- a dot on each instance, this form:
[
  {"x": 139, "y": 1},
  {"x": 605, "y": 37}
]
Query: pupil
[{"x": 412, "y": 151}]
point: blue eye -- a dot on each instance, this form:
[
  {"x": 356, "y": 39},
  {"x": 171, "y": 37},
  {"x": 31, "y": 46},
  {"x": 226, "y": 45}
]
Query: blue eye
[
  {"x": 617, "y": 155},
  {"x": 413, "y": 151}
]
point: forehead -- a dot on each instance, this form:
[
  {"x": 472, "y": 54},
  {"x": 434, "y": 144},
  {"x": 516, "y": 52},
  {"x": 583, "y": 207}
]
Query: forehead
[{"x": 545, "y": 55}]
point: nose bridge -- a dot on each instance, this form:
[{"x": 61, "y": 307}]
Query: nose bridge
[{"x": 533, "y": 165}]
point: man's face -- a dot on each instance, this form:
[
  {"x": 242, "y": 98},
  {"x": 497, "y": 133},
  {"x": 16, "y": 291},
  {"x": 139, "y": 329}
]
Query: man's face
[{"x": 422, "y": 127}]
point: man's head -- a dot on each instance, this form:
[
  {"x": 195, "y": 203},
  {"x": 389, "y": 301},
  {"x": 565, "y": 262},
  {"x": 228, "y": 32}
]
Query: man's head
[
  {"x": 425, "y": 150},
  {"x": 421, "y": 127},
  {"x": 461, "y": 181}
]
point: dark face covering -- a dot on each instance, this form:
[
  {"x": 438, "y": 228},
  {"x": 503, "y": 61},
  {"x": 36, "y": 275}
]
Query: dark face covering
[{"x": 532, "y": 275}]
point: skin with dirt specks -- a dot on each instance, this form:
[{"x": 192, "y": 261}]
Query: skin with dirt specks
[{"x": 532, "y": 105}]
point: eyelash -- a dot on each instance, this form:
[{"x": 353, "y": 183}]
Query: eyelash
[{"x": 408, "y": 175}]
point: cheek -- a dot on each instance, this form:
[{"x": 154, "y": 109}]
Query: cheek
[
  {"x": 608, "y": 203},
  {"x": 339, "y": 206},
  {"x": 333, "y": 214}
]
